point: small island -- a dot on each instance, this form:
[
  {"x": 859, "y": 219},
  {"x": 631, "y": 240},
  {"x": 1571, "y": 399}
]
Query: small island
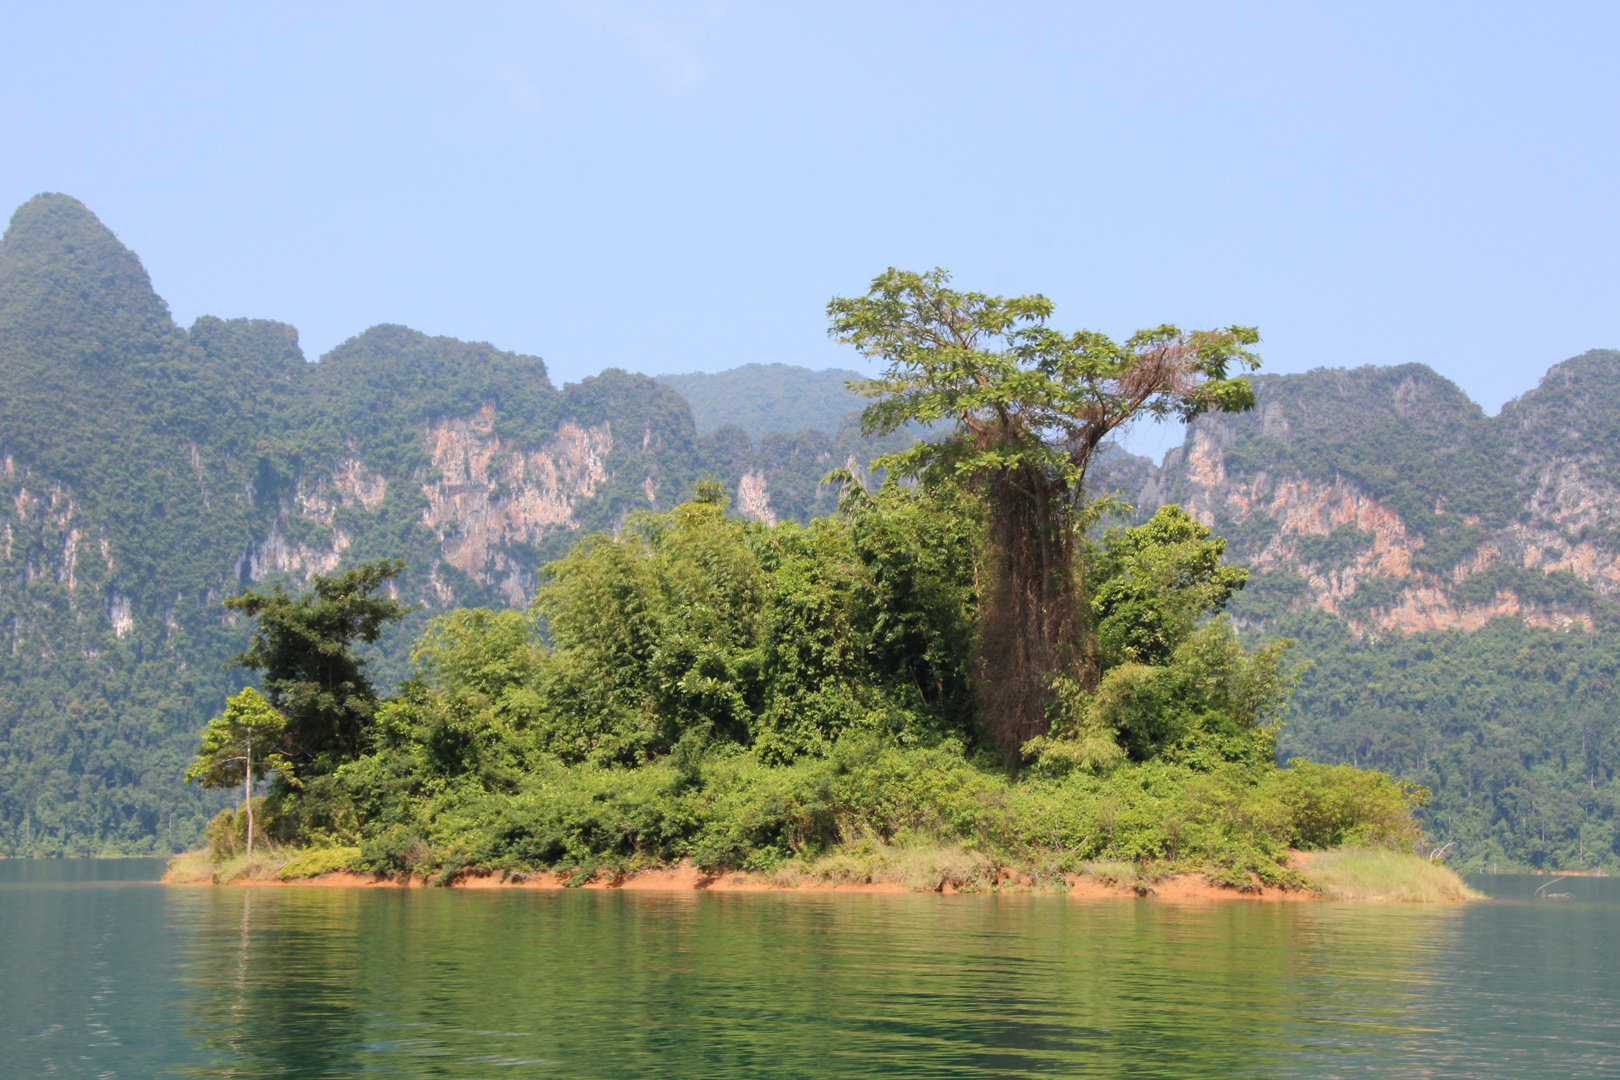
[{"x": 965, "y": 679}]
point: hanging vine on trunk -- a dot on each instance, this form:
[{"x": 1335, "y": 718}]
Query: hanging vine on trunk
[{"x": 1027, "y": 406}]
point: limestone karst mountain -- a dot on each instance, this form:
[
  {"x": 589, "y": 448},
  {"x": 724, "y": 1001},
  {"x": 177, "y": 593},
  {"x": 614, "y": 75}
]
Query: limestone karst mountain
[
  {"x": 1451, "y": 579},
  {"x": 1386, "y": 497},
  {"x": 1452, "y": 576},
  {"x": 148, "y": 471}
]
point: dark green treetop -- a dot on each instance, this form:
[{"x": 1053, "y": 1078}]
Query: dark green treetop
[
  {"x": 1044, "y": 399},
  {"x": 302, "y": 647},
  {"x": 1151, "y": 584}
]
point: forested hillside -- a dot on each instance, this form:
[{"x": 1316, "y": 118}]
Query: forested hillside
[
  {"x": 1452, "y": 578},
  {"x": 148, "y": 471},
  {"x": 762, "y": 398}
]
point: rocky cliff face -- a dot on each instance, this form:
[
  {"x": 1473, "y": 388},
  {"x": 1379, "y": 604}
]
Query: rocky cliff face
[
  {"x": 1385, "y": 497},
  {"x": 484, "y": 495},
  {"x": 147, "y": 471}
]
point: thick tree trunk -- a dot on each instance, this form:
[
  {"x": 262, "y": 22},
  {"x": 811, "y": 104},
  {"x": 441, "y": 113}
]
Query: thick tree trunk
[{"x": 1032, "y": 618}]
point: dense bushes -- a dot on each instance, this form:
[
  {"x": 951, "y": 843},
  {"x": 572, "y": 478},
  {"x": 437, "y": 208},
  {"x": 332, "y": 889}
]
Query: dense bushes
[
  {"x": 728, "y": 810},
  {"x": 741, "y": 696},
  {"x": 1336, "y": 805},
  {"x": 696, "y": 626}
]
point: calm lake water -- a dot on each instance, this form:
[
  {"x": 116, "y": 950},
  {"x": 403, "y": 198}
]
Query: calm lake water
[{"x": 104, "y": 974}]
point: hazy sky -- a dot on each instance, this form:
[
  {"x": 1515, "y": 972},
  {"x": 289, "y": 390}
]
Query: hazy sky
[{"x": 683, "y": 187}]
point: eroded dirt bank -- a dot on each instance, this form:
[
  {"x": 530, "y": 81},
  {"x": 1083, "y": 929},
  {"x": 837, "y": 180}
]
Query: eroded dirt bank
[{"x": 686, "y": 878}]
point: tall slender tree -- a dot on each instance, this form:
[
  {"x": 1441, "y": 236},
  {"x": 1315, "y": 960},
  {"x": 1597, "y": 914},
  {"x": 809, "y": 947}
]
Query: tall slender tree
[
  {"x": 1026, "y": 408},
  {"x": 239, "y": 747}
]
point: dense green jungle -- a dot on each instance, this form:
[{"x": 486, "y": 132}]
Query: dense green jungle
[
  {"x": 779, "y": 699},
  {"x": 152, "y": 471}
]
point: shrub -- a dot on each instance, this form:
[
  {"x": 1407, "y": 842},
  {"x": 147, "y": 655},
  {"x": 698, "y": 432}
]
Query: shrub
[
  {"x": 1337, "y": 805},
  {"x": 226, "y": 834},
  {"x": 313, "y": 862}
]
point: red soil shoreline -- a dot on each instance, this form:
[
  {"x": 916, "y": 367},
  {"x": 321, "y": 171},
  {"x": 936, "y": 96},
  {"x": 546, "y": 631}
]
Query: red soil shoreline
[{"x": 686, "y": 878}]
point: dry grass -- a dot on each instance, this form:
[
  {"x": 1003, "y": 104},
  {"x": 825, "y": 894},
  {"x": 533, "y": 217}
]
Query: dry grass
[
  {"x": 190, "y": 868},
  {"x": 917, "y": 867},
  {"x": 195, "y": 867},
  {"x": 1378, "y": 874},
  {"x": 1111, "y": 873}
]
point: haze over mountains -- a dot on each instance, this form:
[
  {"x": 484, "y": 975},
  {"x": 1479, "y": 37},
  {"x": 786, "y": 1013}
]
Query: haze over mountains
[
  {"x": 762, "y": 398},
  {"x": 147, "y": 471}
]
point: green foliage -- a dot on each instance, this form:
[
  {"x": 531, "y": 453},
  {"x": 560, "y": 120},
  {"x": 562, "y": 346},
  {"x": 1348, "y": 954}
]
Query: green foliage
[
  {"x": 1046, "y": 399},
  {"x": 1515, "y": 732},
  {"x": 240, "y": 745},
  {"x": 301, "y": 646},
  {"x": 1337, "y": 549},
  {"x": 312, "y": 862},
  {"x": 1211, "y": 702},
  {"x": 1026, "y": 418},
  {"x": 1176, "y": 685},
  {"x": 1558, "y": 590},
  {"x": 1372, "y": 595},
  {"x": 1151, "y": 584},
  {"x": 729, "y": 810},
  {"x": 1269, "y": 595},
  {"x": 752, "y": 697},
  {"x": 692, "y": 625},
  {"x": 1334, "y": 806},
  {"x": 226, "y": 834}
]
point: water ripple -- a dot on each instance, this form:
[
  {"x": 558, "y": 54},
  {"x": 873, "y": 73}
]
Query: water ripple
[{"x": 138, "y": 981}]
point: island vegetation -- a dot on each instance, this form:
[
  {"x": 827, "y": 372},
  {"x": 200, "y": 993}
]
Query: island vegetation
[
  {"x": 149, "y": 470},
  {"x": 966, "y": 672}
]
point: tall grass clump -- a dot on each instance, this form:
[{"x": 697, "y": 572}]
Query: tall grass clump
[{"x": 1382, "y": 874}]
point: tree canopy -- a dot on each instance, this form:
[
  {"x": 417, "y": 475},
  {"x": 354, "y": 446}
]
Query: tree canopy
[
  {"x": 1028, "y": 405},
  {"x": 301, "y": 646},
  {"x": 239, "y": 747}
]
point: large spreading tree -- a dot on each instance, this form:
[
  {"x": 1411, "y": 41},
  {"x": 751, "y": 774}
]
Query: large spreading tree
[{"x": 1025, "y": 408}]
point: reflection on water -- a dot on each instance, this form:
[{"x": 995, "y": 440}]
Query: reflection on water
[{"x": 141, "y": 980}]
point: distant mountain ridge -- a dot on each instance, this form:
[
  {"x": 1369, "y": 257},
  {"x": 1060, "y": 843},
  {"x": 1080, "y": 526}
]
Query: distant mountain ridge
[
  {"x": 1386, "y": 497},
  {"x": 762, "y": 398},
  {"x": 147, "y": 471}
]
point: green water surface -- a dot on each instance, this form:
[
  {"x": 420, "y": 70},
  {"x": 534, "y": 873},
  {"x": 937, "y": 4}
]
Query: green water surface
[{"x": 104, "y": 974}]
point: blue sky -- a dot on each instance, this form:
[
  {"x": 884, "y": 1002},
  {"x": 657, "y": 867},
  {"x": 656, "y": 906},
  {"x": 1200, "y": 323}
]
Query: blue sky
[{"x": 683, "y": 187}]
